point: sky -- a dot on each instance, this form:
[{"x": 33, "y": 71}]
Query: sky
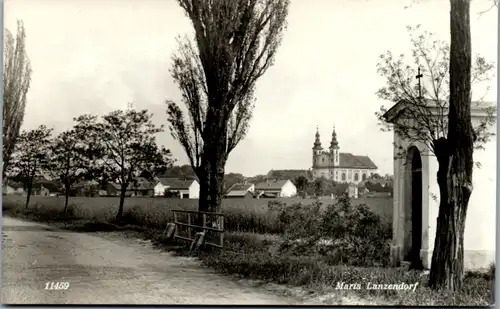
[{"x": 95, "y": 56}]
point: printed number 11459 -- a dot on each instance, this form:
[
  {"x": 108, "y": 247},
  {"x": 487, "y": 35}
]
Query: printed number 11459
[{"x": 56, "y": 285}]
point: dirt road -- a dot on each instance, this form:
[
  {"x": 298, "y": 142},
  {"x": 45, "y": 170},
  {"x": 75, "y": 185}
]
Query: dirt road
[{"x": 102, "y": 271}]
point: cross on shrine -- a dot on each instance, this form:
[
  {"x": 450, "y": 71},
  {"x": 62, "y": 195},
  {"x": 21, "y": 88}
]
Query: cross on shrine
[{"x": 419, "y": 76}]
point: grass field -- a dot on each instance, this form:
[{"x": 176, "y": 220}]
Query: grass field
[{"x": 242, "y": 215}]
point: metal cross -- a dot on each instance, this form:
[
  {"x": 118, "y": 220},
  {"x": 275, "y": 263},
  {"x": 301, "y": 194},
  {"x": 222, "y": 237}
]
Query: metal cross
[{"x": 419, "y": 76}]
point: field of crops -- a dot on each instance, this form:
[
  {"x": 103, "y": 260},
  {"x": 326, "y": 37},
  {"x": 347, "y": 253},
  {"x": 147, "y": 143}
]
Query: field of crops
[{"x": 241, "y": 214}]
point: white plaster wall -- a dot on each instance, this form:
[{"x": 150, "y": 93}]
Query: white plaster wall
[
  {"x": 480, "y": 225},
  {"x": 433, "y": 200},
  {"x": 159, "y": 189},
  {"x": 194, "y": 190},
  {"x": 288, "y": 189}
]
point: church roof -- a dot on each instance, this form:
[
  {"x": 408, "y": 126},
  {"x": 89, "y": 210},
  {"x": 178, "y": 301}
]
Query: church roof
[
  {"x": 348, "y": 160},
  {"x": 317, "y": 141}
]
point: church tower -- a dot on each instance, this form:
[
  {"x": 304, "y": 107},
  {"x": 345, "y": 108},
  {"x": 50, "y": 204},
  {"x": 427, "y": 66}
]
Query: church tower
[
  {"x": 334, "y": 148},
  {"x": 317, "y": 149}
]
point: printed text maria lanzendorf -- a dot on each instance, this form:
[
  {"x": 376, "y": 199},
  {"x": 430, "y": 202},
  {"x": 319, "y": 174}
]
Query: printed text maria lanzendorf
[{"x": 376, "y": 286}]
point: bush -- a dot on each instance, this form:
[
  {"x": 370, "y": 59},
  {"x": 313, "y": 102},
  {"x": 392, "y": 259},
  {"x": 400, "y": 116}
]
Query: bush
[{"x": 341, "y": 233}]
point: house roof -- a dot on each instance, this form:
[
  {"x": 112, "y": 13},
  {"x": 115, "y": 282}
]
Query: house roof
[
  {"x": 140, "y": 179},
  {"x": 288, "y": 173},
  {"x": 14, "y": 185},
  {"x": 238, "y": 193},
  {"x": 147, "y": 185},
  {"x": 270, "y": 185},
  {"x": 115, "y": 185},
  {"x": 140, "y": 185},
  {"x": 348, "y": 160},
  {"x": 52, "y": 187},
  {"x": 241, "y": 187},
  {"x": 86, "y": 183},
  {"x": 176, "y": 183}
]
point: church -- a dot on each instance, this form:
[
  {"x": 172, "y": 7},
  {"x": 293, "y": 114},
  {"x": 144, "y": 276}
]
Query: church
[{"x": 340, "y": 166}]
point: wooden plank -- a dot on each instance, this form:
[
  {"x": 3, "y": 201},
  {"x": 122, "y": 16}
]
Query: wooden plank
[
  {"x": 221, "y": 235},
  {"x": 175, "y": 220},
  {"x": 200, "y": 212},
  {"x": 184, "y": 238},
  {"x": 197, "y": 226},
  {"x": 213, "y": 245},
  {"x": 189, "y": 225},
  {"x": 208, "y": 243}
]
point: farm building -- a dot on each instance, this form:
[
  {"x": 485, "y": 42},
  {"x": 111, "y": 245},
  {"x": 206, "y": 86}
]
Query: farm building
[
  {"x": 183, "y": 188},
  {"x": 113, "y": 189},
  {"x": 244, "y": 190},
  {"x": 142, "y": 189},
  {"x": 85, "y": 188},
  {"x": 139, "y": 186},
  {"x": 275, "y": 188},
  {"x": 13, "y": 188},
  {"x": 45, "y": 189}
]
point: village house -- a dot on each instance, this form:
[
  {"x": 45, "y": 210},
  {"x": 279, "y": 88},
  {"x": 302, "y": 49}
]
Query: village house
[
  {"x": 416, "y": 197},
  {"x": 114, "y": 189},
  {"x": 138, "y": 187},
  {"x": 243, "y": 190},
  {"x": 45, "y": 189},
  {"x": 183, "y": 188},
  {"x": 13, "y": 188},
  {"x": 275, "y": 189},
  {"x": 85, "y": 188}
]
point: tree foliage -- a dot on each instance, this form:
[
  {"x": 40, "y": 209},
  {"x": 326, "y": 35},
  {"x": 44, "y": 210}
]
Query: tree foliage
[
  {"x": 430, "y": 115},
  {"x": 31, "y": 156},
  {"x": 129, "y": 147},
  {"x": 235, "y": 43},
  {"x": 66, "y": 162},
  {"x": 16, "y": 82}
]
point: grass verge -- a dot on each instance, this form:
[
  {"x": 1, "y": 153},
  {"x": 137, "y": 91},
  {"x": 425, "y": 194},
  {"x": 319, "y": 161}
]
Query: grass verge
[{"x": 264, "y": 257}]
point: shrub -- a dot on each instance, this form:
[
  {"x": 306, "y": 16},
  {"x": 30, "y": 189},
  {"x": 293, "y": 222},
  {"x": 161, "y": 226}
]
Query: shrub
[{"x": 341, "y": 233}]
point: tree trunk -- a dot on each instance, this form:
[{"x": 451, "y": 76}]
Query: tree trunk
[
  {"x": 217, "y": 184},
  {"x": 204, "y": 178},
  {"x": 211, "y": 179},
  {"x": 122, "y": 202},
  {"x": 28, "y": 194},
  {"x": 213, "y": 161},
  {"x": 66, "y": 198},
  {"x": 455, "y": 172}
]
